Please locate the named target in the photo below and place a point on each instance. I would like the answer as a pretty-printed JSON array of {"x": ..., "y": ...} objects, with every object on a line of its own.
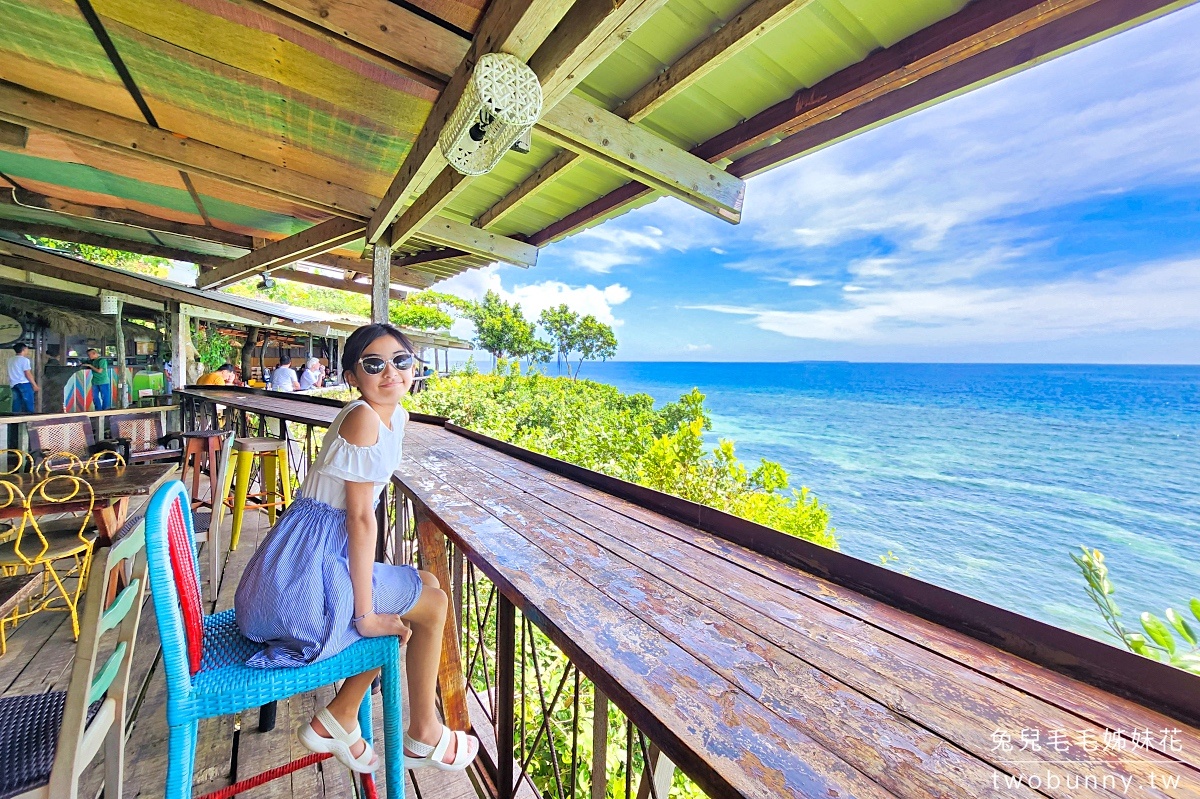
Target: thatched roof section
[{"x": 70, "y": 322}]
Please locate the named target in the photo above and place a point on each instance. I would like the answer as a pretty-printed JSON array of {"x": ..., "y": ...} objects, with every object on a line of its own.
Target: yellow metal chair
[
  {"x": 37, "y": 544},
  {"x": 274, "y": 456},
  {"x": 12, "y": 461}
]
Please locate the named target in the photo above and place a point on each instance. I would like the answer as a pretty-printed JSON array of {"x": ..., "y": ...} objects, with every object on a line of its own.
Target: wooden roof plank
[
  {"x": 529, "y": 187},
  {"x": 386, "y": 27},
  {"x": 97, "y": 128}
]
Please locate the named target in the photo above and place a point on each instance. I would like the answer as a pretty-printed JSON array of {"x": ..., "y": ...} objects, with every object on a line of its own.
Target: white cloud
[
  {"x": 1101, "y": 120},
  {"x": 537, "y": 297},
  {"x": 851, "y": 288},
  {"x": 1162, "y": 296},
  {"x": 698, "y": 347},
  {"x": 804, "y": 282},
  {"x": 717, "y": 250}
]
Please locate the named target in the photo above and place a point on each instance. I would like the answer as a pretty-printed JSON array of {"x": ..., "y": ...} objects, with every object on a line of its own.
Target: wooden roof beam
[
  {"x": 319, "y": 238},
  {"x": 108, "y": 242},
  {"x": 753, "y": 22},
  {"x": 325, "y": 281},
  {"x": 517, "y": 27},
  {"x": 588, "y": 33},
  {"x": 121, "y": 216},
  {"x": 589, "y": 130},
  {"x": 64, "y": 268},
  {"x": 976, "y": 44},
  {"x": 401, "y": 273}
]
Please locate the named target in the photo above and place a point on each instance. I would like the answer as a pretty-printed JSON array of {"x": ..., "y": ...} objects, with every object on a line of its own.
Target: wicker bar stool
[{"x": 274, "y": 456}]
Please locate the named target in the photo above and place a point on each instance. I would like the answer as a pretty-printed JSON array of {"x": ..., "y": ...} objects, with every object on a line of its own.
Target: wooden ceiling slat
[{"x": 391, "y": 29}]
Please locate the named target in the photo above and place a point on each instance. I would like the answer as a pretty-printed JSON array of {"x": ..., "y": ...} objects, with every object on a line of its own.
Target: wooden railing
[{"x": 759, "y": 664}]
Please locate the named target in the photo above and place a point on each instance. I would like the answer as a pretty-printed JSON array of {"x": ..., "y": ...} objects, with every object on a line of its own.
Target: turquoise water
[{"x": 980, "y": 478}]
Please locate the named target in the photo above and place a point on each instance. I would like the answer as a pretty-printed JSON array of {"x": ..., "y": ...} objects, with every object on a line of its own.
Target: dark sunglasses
[{"x": 374, "y": 364}]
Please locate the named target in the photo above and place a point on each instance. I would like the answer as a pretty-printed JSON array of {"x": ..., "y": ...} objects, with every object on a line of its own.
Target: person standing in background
[
  {"x": 311, "y": 376},
  {"x": 101, "y": 388},
  {"x": 283, "y": 377},
  {"x": 20, "y": 377}
]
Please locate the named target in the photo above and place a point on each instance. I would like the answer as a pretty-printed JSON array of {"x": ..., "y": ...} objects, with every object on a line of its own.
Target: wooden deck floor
[{"x": 39, "y": 659}]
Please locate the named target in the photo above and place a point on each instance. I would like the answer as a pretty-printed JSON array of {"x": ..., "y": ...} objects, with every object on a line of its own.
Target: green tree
[
  {"x": 561, "y": 324},
  {"x": 592, "y": 340},
  {"x": 502, "y": 329},
  {"x": 213, "y": 346},
  {"x": 422, "y": 317}
]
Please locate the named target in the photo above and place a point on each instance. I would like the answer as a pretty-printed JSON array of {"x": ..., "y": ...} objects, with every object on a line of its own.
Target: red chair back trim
[{"x": 187, "y": 583}]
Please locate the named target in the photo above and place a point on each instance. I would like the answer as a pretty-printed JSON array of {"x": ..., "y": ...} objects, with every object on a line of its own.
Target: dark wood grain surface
[
  {"x": 17, "y": 588},
  {"x": 763, "y": 680}
]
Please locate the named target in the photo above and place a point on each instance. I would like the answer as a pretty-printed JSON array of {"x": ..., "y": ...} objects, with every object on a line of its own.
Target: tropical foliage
[
  {"x": 586, "y": 337},
  {"x": 598, "y": 427},
  {"x": 1174, "y": 641},
  {"x": 213, "y": 347}
]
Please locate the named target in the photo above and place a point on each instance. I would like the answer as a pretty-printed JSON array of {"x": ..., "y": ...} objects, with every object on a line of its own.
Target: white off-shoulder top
[{"x": 340, "y": 461}]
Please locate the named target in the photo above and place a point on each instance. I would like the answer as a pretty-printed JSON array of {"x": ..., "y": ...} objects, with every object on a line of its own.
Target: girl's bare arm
[{"x": 361, "y": 428}]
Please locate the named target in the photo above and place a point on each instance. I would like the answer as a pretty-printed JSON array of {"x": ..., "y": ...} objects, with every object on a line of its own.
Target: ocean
[{"x": 980, "y": 478}]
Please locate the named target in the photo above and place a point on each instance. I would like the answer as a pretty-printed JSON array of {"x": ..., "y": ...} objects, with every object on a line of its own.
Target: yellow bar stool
[{"x": 274, "y": 455}]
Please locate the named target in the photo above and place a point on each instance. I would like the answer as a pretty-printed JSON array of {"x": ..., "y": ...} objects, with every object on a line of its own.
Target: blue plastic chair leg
[
  {"x": 364, "y": 719},
  {"x": 181, "y": 753},
  {"x": 393, "y": 725}
]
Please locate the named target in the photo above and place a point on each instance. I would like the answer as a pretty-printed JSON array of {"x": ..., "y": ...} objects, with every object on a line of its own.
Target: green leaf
[
  {"x": 1196, "y": 608},
  {"x": 1158, "y": 632},
  {"x": 1181, "y": 624}
]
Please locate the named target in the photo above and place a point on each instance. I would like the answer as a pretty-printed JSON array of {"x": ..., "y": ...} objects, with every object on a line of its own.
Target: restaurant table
[{"x": 113, "y": 487}]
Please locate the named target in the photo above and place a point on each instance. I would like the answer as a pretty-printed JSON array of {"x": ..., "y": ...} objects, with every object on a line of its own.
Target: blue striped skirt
[{"x": 295, "y": 596}]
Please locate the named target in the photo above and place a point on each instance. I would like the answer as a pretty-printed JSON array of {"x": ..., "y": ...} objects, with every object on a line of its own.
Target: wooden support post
[
  {"x": 118, "y": 388},
  {"x": 599, "y": 744},
  {"x": 451, "y": 680},
  {"x": 179, "y": 344},
  {"x": 506, "y": 687},
  {"x": 381, "y": 282}
]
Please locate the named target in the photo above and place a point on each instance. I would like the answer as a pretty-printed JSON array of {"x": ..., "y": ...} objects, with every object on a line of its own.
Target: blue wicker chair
[{"x": 204, "y": 656}]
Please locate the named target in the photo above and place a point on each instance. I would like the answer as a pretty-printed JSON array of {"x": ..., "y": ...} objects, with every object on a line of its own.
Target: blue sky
[{"x": 1053, "y": 216}]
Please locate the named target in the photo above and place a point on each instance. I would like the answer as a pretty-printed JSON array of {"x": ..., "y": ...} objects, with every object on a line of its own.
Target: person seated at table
[
  {"x": 101, "y": 385},
  {"x": 311, "y": 376},
  {"x": 283, "y": 376},
  {"x": 313, "y": 587},
  {"x": 221, "y": 376}
]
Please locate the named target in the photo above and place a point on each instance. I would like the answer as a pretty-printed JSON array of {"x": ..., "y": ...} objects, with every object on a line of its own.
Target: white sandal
[
  {"x": 427, "y": 755},
  {"x": 338, "y": 745}
]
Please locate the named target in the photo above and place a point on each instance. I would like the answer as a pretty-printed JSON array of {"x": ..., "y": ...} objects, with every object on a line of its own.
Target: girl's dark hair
[{"x": 363, "y": 337}]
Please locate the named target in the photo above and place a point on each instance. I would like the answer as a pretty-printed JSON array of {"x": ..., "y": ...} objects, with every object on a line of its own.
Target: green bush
[
  {"x": 1159, "y": 641},
  {"x": 598, "y": 427}
]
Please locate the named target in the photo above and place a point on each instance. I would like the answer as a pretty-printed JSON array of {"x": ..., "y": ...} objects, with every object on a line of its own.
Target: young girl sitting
[{"x": 313, "y": 587}]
